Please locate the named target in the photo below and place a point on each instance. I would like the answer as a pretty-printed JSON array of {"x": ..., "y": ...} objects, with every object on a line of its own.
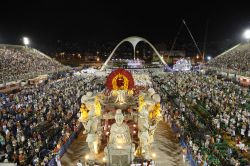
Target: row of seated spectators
[
  {"x": 36, "y": 122},
  {"x": 237, "y": 59},
  {"x": 18, "y": 63},
  {"x": 211, "y": 115}
]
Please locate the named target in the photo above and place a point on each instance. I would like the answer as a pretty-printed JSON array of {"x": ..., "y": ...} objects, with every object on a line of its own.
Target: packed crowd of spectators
[
  {"x": 237, "y": 59},
  {"x": 18, "y": 63},
  {"x": 37, "y": 121},
  {"x": 210, "y": 115}
]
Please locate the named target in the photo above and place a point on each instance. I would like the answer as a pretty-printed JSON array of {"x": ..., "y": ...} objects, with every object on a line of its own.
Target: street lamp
[
  {"x": 247, "y": 34},
  {"x": 26, "y": 41}
]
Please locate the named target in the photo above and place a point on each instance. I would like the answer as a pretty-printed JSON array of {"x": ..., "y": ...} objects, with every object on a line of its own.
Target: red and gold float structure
[{"x": 121, "y": 122}]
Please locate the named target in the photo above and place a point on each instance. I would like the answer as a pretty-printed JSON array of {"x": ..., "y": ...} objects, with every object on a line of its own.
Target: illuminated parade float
[{"x": 120, "y": 121}]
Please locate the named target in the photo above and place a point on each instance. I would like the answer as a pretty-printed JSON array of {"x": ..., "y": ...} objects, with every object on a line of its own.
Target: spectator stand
[{"x": 197, "y": 119}]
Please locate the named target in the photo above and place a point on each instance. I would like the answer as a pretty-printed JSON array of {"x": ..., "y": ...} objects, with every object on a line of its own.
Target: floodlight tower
[
  {"x": 247, "y": 35},
  {"x": 209, "y": 58},
  {"x": 26, "y": 41}
]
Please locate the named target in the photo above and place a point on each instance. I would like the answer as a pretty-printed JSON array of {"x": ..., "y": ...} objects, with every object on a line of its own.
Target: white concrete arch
[{"x": 134, "y": 40}]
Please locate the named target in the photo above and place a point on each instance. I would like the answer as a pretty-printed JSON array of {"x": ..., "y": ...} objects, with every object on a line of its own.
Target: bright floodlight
[
  {"x": 247, "y": 34},
  {"x": 26, "y": 41},
  {"x": 209, "y": 58}
]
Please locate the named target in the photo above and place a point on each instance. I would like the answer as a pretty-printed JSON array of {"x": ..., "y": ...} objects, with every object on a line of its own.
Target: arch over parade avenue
[{"x": 134, "y": 40}]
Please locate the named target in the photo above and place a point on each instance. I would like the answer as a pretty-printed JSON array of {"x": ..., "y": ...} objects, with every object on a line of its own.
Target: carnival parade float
[{"x": 120, "y": 121}]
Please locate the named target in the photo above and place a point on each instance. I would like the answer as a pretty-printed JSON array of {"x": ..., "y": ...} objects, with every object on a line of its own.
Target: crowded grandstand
[
  {"x": 124, "y": 83},
  {"x": 236, "y": 59},
  {"x": 21, "y": 63},
  {"x": 37, "y": 121}
]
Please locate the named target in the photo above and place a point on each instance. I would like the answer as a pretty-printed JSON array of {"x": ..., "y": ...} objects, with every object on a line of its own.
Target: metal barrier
[
  {"x": 189, "y": 154},
  {"x": 65, "y": 146},
  {"x": 184, "y": 145}
]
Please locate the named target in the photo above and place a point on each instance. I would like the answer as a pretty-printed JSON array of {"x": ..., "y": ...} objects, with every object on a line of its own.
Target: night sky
[{"x": 46, "y": 22}]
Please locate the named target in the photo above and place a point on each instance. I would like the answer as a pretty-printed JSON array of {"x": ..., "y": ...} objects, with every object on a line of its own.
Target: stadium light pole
[
  {"x": 247, "y": 34},
  {"x": 208, "y": 58},
  {"x": 26, "y": 41}
]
